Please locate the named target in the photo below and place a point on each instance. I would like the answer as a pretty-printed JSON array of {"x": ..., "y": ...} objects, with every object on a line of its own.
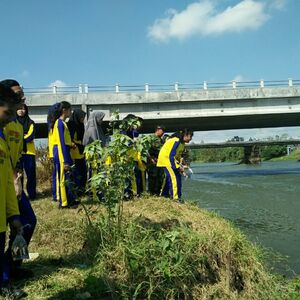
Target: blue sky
[{"x": 134, "y": 42}]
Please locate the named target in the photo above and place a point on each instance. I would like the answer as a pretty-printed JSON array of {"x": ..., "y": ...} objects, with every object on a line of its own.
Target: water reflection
[{"x": 263, "y": 201}]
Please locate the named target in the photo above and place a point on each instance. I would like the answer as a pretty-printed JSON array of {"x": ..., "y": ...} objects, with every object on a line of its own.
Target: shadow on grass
[{"x": 93, "y": 288}]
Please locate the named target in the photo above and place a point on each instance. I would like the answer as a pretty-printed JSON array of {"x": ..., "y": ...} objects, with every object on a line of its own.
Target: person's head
[
  {"x": 15, "y": 87},
  {"x": 160, "y": 130},
  {"x": 185, "y": 135},
  {"x": 65, "y": 110},
  {"x": 8, "y": 104},
  {"x": 78, "y": 115},
  {"x": 22, "y": 111}
]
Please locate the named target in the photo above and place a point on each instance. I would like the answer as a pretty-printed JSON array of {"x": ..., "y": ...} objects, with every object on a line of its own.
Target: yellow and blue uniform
[
  {"x": 28, "y": 161},
  {"x": 13, "y": 133},
  {"x": 50, "y": 155},
  {"x": 61, "y": 156},
  {"x": 169, "y": 158},
  {"x": 77, "y": 155},
  {"x": 8, "y": 199}
]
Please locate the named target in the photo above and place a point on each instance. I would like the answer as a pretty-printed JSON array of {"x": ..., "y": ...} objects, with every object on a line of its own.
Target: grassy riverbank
[
  {"x": 295, "y": 155},
  {"x": 164, "y": 250}
]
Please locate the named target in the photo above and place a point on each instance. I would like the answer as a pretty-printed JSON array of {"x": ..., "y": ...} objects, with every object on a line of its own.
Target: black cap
[{"x": 163, "y": 128}]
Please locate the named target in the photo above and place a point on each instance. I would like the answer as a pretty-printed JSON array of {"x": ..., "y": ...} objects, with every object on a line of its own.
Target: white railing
[{"x": 176, "y": 87}]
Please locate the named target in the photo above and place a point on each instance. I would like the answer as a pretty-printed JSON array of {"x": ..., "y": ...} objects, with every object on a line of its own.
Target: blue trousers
[
  {"x": 80, "y": 174},
  {"x": 54, "y": 183},
  {"x": 173, "y": 183},
  {"x": 29, "y": 165},
  {"x": 2, "y": 245},
  {"x": 27, "y": 216}
]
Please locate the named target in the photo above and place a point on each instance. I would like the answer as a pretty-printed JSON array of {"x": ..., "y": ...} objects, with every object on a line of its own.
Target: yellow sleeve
[
  {"x": 12, "y": 208},
  {"x": 30, "y": 132}
]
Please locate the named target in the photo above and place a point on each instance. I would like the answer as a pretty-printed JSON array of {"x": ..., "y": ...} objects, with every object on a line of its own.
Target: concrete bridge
[{"x": 209, "y": 106}]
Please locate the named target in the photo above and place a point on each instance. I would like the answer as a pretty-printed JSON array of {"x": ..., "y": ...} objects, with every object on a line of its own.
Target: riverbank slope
[{"x": 163, "y": 250}]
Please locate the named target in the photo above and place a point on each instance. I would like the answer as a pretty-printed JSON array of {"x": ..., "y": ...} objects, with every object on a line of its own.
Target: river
[{"x": 262, "y": 200}]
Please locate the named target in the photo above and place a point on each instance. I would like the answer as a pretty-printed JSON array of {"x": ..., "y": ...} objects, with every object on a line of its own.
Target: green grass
[
  {"x": 295, "y": 155},
  {"x": 164, "y": 250}
]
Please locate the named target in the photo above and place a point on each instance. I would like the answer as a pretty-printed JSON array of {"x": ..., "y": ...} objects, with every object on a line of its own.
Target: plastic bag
[
  {"x": 19, "y": 248},
  {"x": 18, "y": 185}
]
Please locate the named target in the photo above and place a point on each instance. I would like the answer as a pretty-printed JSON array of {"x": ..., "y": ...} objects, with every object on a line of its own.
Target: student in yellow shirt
[
  {"x": 62, "y": 144},
  {"x": 13, "y": 133},
  {"x": 53, "y": 115},
  {"x": 76, "y": 128},
  {"x": 9, "y": 211},
  {"x": 28, "y": 154},
  {"x": 169, "y": 158}
]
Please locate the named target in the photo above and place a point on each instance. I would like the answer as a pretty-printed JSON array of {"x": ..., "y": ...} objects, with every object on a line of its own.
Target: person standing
[
  {"x": 9, "y": 211},
  {"x": 62, "y": 144},
  {"x": 155, "y": 174},
  {"x": 169, "y": 159},
  {"x": 76, "y": 128},
  {"x": 28, "y": 156},
  {"x": 13, "y": 133}
]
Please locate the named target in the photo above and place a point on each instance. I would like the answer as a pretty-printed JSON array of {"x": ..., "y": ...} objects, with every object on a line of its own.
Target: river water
[{"x": 262, "y": 200}]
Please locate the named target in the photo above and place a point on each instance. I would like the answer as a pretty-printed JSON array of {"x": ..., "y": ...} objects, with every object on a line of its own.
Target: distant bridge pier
[{"x": 252, "y": 155}]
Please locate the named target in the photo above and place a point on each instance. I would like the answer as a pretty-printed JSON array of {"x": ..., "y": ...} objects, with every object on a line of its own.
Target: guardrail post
[
  {"x": 233, "y": 84},
  {"x": 176, "y": 87},
  {"x": 262, "y": 83},
  {"x": 80, "y": 90},
  {"x": 54, "y": 89},
  {"x": 146, "y": 87},
  {"x": 205, "y": 85},
  {"x": 117, "y": 88},
  {"x": 86, "y": 89},
  {"x": 290, "y": 82}
]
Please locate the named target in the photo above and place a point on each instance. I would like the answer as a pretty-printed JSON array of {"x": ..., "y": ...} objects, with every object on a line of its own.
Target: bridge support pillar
[{"x": 252, "y": 155}]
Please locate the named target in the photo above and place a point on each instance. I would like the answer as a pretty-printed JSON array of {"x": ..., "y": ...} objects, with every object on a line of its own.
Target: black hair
[
  {"x": 55, "y": 111},
  {"x": 181, "y": 133},
  {"x": 7, "y": 96},
  {"x": 163, "y": 128},
  {"x": 64, "y": 105},
  {"x": 10, "y": 83}
]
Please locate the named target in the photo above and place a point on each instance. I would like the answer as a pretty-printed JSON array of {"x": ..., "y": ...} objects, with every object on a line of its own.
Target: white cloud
[
  {"x": 202, "y": 18},
  {"x": 239, "y": 78},
  {"x": 58, "y": 83},
  {"x": 25, "y": 74}
]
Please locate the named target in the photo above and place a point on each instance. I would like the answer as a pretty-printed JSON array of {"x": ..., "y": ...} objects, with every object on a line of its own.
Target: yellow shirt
[
  {"x": 13, "y": 133},
  {"x": 50, "y": 143},
  {"x": 8, "y": 198},
  {"x": 75, "y": 153},
  {"x": 29, "y": 140},
  {"x": 170, "y": 153},
  {"x": 62, "y": 139}
]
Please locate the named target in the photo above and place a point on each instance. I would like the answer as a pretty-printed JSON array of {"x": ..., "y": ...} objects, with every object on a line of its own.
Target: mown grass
[{"x": 163, "y": 250}]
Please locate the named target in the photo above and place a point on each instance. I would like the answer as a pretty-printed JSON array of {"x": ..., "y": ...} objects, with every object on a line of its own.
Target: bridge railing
[{"x": 176, "y": 87}]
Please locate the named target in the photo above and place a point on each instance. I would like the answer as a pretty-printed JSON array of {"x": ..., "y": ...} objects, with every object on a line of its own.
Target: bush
[{"x": 44, "y": 166}]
